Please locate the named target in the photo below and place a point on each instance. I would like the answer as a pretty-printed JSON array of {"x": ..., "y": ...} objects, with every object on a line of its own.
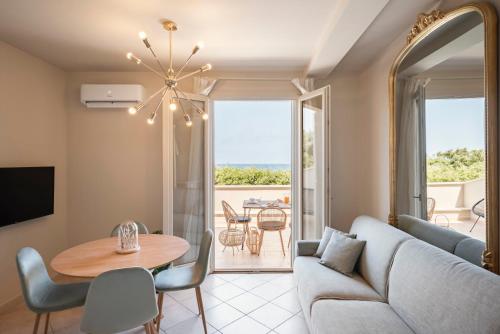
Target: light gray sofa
[
  {"x": 401, "y": 285},
  {"x": 451, "y": 241}
]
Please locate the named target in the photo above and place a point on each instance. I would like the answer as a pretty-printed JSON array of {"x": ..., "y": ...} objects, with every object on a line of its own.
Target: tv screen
[{"x": 25, "y": 193}]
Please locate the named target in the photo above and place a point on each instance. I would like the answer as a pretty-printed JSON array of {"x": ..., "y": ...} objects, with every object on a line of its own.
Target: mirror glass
[{"x": 441, "y": 130}]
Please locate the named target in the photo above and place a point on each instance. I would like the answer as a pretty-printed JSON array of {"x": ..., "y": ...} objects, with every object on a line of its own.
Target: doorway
[{"x": 252, "y": 145}]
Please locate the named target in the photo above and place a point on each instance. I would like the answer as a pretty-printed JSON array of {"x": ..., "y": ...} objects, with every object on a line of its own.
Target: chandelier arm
[
  {"x": 189, "y": 74},
  {"x": 179, "y": 72},
  {"x": 143, "y": 104},
  {"x": 150, "y": 48},
  {"x": 160, "y": 101},
  {"x": 178, "y": 99},
  {"x": 153, "y": 70},
  {"x": 198, "y": 109}
]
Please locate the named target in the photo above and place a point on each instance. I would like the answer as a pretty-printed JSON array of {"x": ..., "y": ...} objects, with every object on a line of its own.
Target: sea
[{"x": 258, "y": 166}]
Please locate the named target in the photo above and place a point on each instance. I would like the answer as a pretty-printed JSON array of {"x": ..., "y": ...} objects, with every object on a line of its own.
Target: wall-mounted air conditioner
[{"x": 111, "y": 96}]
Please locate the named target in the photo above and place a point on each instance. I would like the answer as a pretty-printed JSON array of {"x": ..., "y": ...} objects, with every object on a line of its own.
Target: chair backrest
[
  {"x": 431, "y": 205},
  {"x": 478, "y": 208},
  {"x": 203, "y": 256},
  {"x": 271, "y": 219},
  {"x": 33, "y": 276},
  {"x": 229, "y": 214},
  {"x": 141, "y": 228},
  {"x": 119, "y": 300}
]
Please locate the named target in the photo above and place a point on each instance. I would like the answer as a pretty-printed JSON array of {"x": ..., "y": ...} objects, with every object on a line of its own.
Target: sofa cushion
[
  {"x": 434, "y": 291},
  {"x": 325, "y": 239},
  {"x": 342, "y": 253},
  {"x": 355, "y": 317},
  {"x": 382, "y": 241},
  {"x": 315, "y": 282},
  {"x": 471, "y": 250},
  {"x": 435, "y": 235}
]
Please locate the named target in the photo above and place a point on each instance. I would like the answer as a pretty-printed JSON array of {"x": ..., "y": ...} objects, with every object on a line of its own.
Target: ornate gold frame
[{"x": 426, "y": 24}]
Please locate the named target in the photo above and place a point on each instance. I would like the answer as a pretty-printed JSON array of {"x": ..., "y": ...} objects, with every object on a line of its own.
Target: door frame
[
  {"x": 293, "y": 115},
  {"x": 324, "y": 92}
]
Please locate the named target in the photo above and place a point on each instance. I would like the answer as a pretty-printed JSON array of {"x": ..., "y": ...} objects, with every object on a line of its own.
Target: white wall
[
  {"x": 114, "y": 161},
  {"x": 32, "y": 133}
]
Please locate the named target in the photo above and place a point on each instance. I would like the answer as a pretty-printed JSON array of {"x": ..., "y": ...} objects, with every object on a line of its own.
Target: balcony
[{"x": 271, "y": 256}]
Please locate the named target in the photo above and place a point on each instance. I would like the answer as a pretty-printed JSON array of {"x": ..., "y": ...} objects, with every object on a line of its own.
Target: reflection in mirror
[
  {"x": 440, "y": 119},
  {"x": 312, "y": 168}
]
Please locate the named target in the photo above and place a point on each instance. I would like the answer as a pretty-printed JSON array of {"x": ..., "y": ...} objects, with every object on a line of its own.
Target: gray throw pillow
[
  {"x": 327, "y": 234},
  {"x": 342, "y": 253}
]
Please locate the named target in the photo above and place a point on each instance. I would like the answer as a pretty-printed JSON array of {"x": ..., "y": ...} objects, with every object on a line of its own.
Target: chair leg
[
  {"x": 146, "y": 328},
  {"x": 152, "y": 329},
  {"x": 37, "y": 321},
  {"x": 160, "y": 311},
  {"x": 290, "y": 239},
  {"x": 282, "y": 246},
  {"x": 261, "y": 238},
  {"x": 474, "y": 223},
  {"x": 47, "y": 319},
  {"x": 200, "y": 307}
]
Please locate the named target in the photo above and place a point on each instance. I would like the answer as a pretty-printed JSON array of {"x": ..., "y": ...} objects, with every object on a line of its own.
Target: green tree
[
  {"x": 251, "y": 176},
  {"x": 456, "y": 165}
]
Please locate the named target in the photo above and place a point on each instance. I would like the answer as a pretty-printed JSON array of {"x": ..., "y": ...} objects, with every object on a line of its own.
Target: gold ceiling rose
[
  {"x": 170, "y": 78},
  {"x": 423, "y": 21}
]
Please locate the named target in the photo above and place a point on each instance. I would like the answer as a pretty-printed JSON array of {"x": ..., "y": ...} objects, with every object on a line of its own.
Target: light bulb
[
  {"x": 130, "y": 55},
  {"x": 206, "y": 67},
  {"x": 204, "y": 116},
  {"x": 132, "y": 110},
  {"x": 151, "y": 119},
  {"x": 188, "y": 120},
  {"x": 200, "y": 45},
  {"x": 142, "y": 35},
  {"x": 172, "y": 106}
]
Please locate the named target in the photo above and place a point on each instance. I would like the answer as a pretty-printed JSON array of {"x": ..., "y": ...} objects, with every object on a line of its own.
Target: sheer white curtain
[
  {"x": 194, "y": 215},
  {"x": 411, "y": 147}
]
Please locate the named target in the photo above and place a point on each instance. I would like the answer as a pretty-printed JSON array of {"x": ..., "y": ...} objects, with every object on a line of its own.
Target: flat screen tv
[{"x": 25, "y": 193}]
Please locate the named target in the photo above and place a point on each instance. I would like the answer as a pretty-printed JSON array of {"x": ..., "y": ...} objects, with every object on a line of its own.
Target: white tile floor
[{"x": 234, "y": 303}]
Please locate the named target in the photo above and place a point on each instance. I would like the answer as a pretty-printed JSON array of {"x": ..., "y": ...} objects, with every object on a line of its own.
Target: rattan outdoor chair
[{"x": 271, "y": 219}]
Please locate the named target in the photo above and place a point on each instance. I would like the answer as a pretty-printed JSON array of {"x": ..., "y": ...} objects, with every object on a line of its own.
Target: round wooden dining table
[{"x": 92, "y": 258}]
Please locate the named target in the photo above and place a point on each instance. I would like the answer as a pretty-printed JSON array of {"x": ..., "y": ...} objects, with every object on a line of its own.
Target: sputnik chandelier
[{"x": 170, "y": 78}]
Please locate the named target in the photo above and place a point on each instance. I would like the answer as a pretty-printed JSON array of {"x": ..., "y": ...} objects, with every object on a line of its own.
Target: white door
[
  {"x": 187, "y": 175},
  {"x": 311, "y": 161}
]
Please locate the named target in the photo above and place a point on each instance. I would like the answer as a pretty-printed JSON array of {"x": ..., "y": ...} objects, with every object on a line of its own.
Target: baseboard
[{"x": 10, "y": 304}]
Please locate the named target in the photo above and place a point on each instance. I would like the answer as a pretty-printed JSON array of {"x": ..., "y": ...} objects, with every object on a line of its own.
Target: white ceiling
[{"x": 257, "y": 35}]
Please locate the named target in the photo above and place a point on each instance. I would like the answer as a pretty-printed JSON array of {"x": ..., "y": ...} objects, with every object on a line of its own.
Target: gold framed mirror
[{"x": 444, "y": 125}]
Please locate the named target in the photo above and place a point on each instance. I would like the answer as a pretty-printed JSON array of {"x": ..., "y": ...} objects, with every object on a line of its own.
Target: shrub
[
  {"x": 456, "y": 165},
  {"x": 251, "y": 176}
]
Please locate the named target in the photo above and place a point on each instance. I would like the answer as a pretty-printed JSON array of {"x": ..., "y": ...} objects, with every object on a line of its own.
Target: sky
[
  {"x": 454, "y": 123},
  {"x": 252, "y": 132}
]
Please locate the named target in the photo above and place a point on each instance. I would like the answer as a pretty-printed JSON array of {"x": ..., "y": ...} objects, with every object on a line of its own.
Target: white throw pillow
[
  {"x": 342, "y": 253},
  {"x": 327, "y": 234}
]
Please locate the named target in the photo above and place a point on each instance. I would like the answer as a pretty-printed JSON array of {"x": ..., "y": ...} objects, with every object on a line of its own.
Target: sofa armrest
[{"x": 306, "y": 247}]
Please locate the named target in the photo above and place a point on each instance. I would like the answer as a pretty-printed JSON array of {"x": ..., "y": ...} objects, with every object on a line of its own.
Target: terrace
[{"x": 271, "y": 256}]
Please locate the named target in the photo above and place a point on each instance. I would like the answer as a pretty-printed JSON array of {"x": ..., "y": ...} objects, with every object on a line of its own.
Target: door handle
[{"x": 419, "y": 197}]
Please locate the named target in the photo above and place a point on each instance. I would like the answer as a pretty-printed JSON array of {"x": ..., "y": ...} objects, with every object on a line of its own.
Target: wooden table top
[
  {"x": 95, "y": 257},
  {"x": 264, "y": 204}
]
